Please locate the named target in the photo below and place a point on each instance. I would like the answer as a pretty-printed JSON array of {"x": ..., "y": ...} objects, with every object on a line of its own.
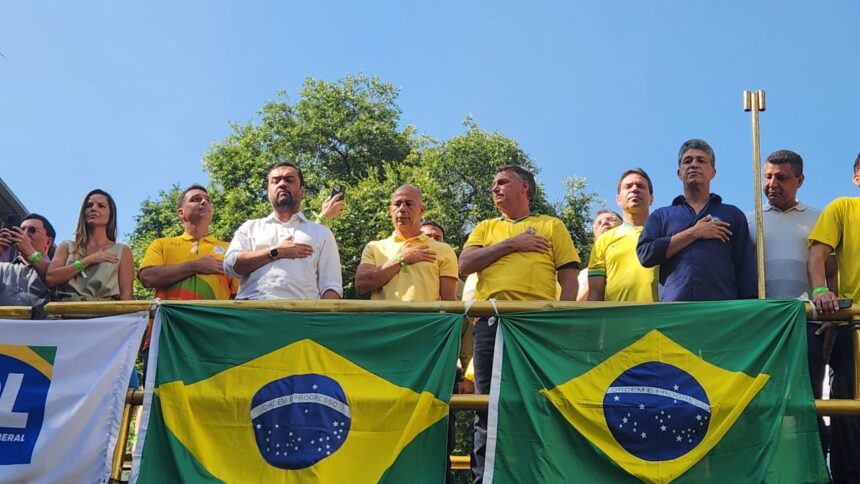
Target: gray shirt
[
  {"x": 20, "y": 286},
  {"x": 786, "y": 249}
]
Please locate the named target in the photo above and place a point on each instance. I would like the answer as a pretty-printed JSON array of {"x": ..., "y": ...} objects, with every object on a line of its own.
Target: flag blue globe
[
  {"x": 300, "y": 420},
  {"x": 657, "y": 411}
]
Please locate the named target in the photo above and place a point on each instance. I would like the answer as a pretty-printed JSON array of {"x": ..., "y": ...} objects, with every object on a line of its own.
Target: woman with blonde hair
[{"x": 93, "y": 267}]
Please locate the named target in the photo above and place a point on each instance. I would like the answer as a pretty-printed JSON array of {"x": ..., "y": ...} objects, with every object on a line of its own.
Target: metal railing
[{"x": 459, "y": 402}]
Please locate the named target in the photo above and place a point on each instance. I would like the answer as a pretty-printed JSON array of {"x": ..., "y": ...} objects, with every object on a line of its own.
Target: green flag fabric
[
  {"x": 688, "y": 392},
  {"x": 243, "y": 395}
]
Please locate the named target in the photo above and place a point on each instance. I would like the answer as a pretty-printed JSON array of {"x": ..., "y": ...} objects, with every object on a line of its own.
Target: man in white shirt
[{"x": 285, "y": 255}]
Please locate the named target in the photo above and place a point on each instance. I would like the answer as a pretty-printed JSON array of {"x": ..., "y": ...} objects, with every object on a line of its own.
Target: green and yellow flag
[
  {"x": 693, "y": 392},
  {"x": 265, "y": 396}
]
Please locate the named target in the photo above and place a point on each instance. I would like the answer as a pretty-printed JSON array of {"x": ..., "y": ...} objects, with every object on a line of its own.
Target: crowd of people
[{"x": 696, "y": 249}]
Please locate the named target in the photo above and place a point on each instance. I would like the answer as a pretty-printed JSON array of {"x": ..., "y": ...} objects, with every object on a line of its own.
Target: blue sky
[{"x": 129, "y": 96}]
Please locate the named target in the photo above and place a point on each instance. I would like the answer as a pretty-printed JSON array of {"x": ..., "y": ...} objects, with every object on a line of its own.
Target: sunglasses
[{"x": 33, "y": 230}]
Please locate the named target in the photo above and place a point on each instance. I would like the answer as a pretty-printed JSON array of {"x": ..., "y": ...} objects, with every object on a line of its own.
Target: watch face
[{"x": 273, "y": 253}]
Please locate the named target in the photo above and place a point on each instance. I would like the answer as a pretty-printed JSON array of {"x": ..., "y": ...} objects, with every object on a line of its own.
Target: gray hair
[{"x": 697, "y": 144}]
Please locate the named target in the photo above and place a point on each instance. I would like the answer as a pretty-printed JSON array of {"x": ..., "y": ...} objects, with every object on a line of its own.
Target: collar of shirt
[
  {"x": 681, "y": 199},
  {"x": 422, "y": 237},
  {"x": 800, "y": 207},
  {"x": 518, "y": 220},
  {"x": 187, "y": 236},
  {"x": 298, "y": 217}
]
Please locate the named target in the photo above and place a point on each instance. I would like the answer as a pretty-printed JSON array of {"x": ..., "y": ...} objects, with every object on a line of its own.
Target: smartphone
[
  {"x": 12, "y": 220},
  {"x": 845, "y": 303},
  {"x": 338, "y": 191}
]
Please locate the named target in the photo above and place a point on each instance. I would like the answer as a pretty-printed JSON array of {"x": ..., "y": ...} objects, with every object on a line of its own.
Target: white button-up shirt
[{"x": 307, "y": 278}]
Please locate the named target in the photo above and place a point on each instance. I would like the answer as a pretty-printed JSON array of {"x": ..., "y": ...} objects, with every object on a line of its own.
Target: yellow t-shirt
[
  {"x": 839, "y": 227},
  {"x": 421, "y": 283},
  {"x": 614, "y": 257},
  {"x": 182, "y": 249},
  {"x": 523, "y": 276}
]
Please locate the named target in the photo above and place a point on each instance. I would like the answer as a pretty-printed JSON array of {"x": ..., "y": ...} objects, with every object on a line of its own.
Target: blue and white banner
[{"x": 62, "y": 388}]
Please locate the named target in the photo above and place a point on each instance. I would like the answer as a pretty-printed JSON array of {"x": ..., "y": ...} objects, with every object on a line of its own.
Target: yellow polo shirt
[
  {"x": 614, "y": 257},
  {"x": 839, "y": 227},
  {"x": 421, "y": 283},
  {"x": 523, "y": 276},
  {"x": 182, "y": 249}
]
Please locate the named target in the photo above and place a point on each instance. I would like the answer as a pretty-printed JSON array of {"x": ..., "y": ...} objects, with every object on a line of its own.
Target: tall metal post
[{"x": 755, "y": 102}]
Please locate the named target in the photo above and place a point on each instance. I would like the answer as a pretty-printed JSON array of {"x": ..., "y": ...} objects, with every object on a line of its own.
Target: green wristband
[
  {"x": 819, "y": 290},
  {"x": 80, "y": 267},
  {"x": 403, "y": 265},
  {"x": 34, "y": 258}
]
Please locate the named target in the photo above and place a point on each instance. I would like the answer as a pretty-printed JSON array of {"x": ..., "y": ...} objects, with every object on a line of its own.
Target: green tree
[
  {"x": 462, "y": 169},
  {"x": 157, "y": 218},
  {"x": 575, "y": 211},
  {"x": 347, "y": 132},
  {"x": 338, "y": 132}
]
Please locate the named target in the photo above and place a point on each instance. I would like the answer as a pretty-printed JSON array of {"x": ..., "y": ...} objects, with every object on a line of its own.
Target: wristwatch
[{"x": 273, "y": 253}]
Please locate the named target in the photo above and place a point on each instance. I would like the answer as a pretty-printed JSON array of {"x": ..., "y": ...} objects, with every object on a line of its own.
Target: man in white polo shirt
[{"x": 285, "y": 255}]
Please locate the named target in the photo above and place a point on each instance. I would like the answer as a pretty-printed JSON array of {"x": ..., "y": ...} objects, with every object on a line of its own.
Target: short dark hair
[
  {"x": 636, "y": 171},
  {"x": 525, "y": 175},
  {"x": 857, "y": 164},
  {"x": 195, "y": 186},
  {"x": 697, "y": 144},
  {"x": 789, "y": 157},
  {"x": 282, "y": 164},
  {"x": 49, "y": 229},
  {"x": 433, "y": 223}
]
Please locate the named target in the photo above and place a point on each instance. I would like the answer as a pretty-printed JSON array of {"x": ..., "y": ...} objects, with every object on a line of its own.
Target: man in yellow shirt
[
  {"x": 603, "y": 221},
  {"x": 614, "y": 271},
  {"x": 518, "y": 256},
  {"x": 837, "y": 231},
  {"x": 189, "y": 266},
  {"x": 409, "y": 265}
]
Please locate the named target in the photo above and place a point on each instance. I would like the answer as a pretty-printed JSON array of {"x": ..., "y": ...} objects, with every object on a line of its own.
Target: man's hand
[
  {"x": 208, "y": 265},
  {"x": 411, "y": 254},
  {"x": 825, "y": 302},
  {"x": 5, "y": 241},
  {"x": 287, "y": 249},
  {"x": 333, "y": 206},
  {"x": 17, "y": 236},
  {"x": 99, "y": 257},
  {"x": 528, "y": 241},
  {"x": 712, "y": 228}
]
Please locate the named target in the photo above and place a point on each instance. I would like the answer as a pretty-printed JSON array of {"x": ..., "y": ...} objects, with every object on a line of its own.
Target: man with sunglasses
[{"x": 22, "y": 279}]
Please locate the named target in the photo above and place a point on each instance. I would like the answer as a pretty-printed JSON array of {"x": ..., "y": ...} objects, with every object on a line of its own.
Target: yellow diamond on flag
[
  {"x": 654, "y": 407},
  {"x": 301, "y": 413}
]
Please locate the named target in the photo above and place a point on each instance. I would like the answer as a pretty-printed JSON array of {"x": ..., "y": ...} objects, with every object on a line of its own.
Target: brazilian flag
[
  {"x": 688, "y": 392},
  {"x": 244, "y": 395}
]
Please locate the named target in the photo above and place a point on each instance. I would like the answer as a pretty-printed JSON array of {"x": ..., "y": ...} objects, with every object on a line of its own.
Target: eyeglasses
[
  {"x": 33, "y": 230},
  {"x": 611, "y": 218}
]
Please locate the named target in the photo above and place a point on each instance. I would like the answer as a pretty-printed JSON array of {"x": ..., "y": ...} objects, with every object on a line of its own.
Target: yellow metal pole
[
  {"x": 755, "y": 102},
  {"x": 16, "y": 312},
  {"x": 478, "y": 309},
  {"x": 837, "y": 407},
  {"x": 121, "y": 440},
  {"x": 855, "y": 332}
]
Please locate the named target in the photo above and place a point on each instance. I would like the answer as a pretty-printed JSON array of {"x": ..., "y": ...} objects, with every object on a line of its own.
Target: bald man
[{"x": 409, "y": 265}]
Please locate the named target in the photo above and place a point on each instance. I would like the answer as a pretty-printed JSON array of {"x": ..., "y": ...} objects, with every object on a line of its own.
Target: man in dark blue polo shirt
[{"x": 701, "y": 244}]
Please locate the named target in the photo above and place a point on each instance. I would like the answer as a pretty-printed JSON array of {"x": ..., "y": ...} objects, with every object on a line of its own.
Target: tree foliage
[
  {"x": 348, "y": 132},
  {"x": 463, "y": 168},
  {"x": 575, "y": 211}
]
